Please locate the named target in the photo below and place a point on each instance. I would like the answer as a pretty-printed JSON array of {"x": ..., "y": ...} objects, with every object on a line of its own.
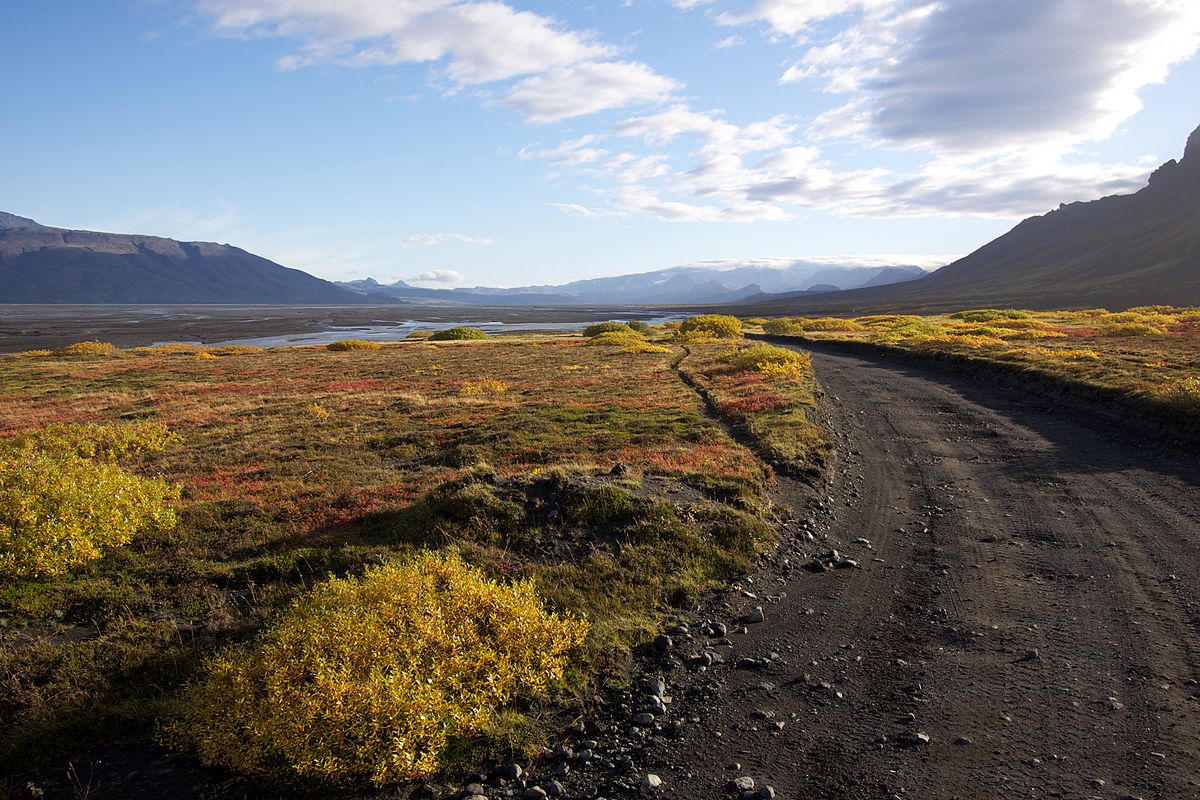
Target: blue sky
[{"x": 480, "y": 142}]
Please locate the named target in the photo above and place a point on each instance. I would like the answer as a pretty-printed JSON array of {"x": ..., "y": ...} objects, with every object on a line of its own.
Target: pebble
[
  {"x": 535, "y": 793},
  {"x": 767, "y": 793},
  {"x": 651, "y": 781},
  {"x": 753, "y": 616},
  {"x": 510, "y": 772},
  {"x": 663, "y": 643},
  {"x": 742, "y": 784}
]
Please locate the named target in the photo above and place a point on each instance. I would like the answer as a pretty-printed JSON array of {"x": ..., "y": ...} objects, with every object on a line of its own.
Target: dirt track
[{"x": 1031, "y": 597}]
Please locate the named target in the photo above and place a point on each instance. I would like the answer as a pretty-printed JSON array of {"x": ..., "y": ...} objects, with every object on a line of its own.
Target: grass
[
  {"x": 1147, "y": 354},
  {"x": 301, "y": 464}
]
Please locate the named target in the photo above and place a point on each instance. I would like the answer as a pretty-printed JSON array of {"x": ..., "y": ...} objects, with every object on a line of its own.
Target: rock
[
  {"x": 663, "y": 643},
  {"x": 656, "y": 687},
  {"x": 555, "y": 789},
  {"x": 654, "y": 705},
  {"x": 917, "y": 739},
  {"x": 535, "y": 793},
  {"x": 962, "y": 741},
  {"x": 753, "y": 616},
  {"x": 846, "y": 563},
  {"x": 644, "y": 720},
  {"x": 474, "y": 789},
  {"x": 475, "y": 797},
  {"x": 717, "y": 629},
  {"x": 1030, "y": 655},
  {"x": 510, "y": 772},
  {"x": 741, "y": 784},
  {"x": 651, "y": 781},
  {"x": 618, "y": 469},
  {"x": 766, "y": 793}
]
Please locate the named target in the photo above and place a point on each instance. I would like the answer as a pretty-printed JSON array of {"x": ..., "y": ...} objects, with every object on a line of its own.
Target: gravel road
[{"x": 1023, "y": 623}]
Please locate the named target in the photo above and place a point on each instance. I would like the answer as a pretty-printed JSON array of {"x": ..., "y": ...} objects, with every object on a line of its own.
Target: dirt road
[{"x": 1029, "y": 602}]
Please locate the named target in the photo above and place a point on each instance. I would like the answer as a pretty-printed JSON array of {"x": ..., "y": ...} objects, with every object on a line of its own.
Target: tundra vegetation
[
  {"x": 1149, "y": 353},
  {"x": 528, "y": 509}
]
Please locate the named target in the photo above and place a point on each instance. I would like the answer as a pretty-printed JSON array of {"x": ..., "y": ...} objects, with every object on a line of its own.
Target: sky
[{"x": 516, "y": 142}]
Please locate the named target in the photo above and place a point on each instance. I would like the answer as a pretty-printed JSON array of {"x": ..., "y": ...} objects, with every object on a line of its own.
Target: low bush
[
  {"x": 644, "y": 347},
  {"x": 235, "y": 350},
  {"x": 711, "y": 326},
  {"x": 352, "y": 344},
  {"x": 640, "y": 327},
  {"x": 831, "y": 324},
  {"x": 482, "y": 386},
  {"x": 63, "y": 497},
  {"x": 1129, "y": 329},
  {"x": 769, "y": 360},
  {"x": 1183, "y": 395},
  {"x": 783, "y": 326},
  {"x": 458, "y": 334},
  {"x": 92, "y": 349},
  {"x": 990, "y": 314},
  {"x": 373, "y": 678},
  {"x": 594, "y": 330},
  {"x": 624, "y": 337}
]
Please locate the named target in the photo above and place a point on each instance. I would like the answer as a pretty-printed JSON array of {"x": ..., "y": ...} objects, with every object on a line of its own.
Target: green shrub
[
  {"x": 783, "y": 326},
  {"x": 624, "y": 337},
  {"x": 63, "y": 499},
  {"x": 457, "y": 334},
  {"x": 594, "y": 330},
  {"x": 711, "y": 326},
  {"x": 638, "y": 326},
  {"x": 373, "y": 678},
  {"x": 352, "y": 344},
  {"x": 1129, "y": 329}
]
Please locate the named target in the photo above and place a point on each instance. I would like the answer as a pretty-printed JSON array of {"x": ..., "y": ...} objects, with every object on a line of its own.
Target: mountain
[
  {"x": 39, "y": 264},
  {"x": 692, "y": 284},
  {"x": 1116, "y": 252}
]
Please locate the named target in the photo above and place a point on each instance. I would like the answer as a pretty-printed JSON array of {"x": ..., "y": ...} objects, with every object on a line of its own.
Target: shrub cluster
[
  {"x": 769, "y": 360},
  {"x": 63, "y": 497},
  {"x": 92, "y": 349},
  {"x": 483, "y": 386},
  {"x": 372, "y": 678},
  {"x": 457, "y": 334},
  {"x": 710, "y": 326},
  {"x": 352, "y": 344},
  {"x": 612, "y": 326}
]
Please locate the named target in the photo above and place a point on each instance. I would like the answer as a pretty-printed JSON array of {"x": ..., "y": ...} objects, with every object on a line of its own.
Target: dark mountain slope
[
  {"x": 1118, "y": 251},
  {"x": 52, "y": 265}
]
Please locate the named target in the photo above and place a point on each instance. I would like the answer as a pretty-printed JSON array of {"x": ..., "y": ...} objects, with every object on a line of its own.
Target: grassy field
[
  {"x": 1149, "y": 354},
  {"x": 605, "y": 472}
]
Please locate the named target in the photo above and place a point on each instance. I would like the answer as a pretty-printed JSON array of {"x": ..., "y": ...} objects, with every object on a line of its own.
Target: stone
[
  {"x": 663, "y": 643},
  {"x": 510, "y": 772},
  {"x": 474, "y": 788},
  {"x": 766, "y": 793},
  {"x": 535, "y": 793},
  {"x": 651, "y": 781},
  {"x": 753, "y": 616},
  {"x": 718, "y": 629},
  {"x": 918, "y": 739},
  {"x": 741, "y": 784},
  {"x": 644, "y": 720},
  {"x": 555, "y": 789},
  {"x": 656, "y": 687}
]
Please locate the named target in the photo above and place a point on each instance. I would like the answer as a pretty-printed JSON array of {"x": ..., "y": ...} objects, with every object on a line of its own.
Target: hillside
[
  {"x": 1119, "y": 251},
  {"x": 39, "y": 264}
]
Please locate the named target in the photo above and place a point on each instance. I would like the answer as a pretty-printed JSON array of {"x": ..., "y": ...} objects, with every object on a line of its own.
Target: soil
[
  {"x": 1023, "y": 622},
  {"x": 1022, "y": 619}
]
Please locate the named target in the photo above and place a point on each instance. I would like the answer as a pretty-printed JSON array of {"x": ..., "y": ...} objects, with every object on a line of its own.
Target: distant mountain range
[
  {"x": 693, "y": 284},
  {"x": 39, "y": 264},
  {"x": 1116, "y": 252}
]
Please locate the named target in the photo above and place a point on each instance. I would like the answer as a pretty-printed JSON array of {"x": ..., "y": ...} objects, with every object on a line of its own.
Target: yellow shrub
[
  {"x": 63, "y": 499},
  {"x": 176, "y": 348},
  {"x": 92, "y": 349},
  {"x": 710, "y": 326},
  {"x": 831, "y": 324},
  {"x": 773, "y": 361},
  {"x": 371, "y": 678},
  {"x": 625, "y": 338},
  {"x": 970, "y": 342},
  {"x": 644, "y": 347},
  {"x": 1035, "y": 333},
  {"x": 235, "y": 350},
  {"x": 33, "y": 354},
  {"x": 784, "y": 326},
  {"x": 1184, "y": 394},
  {"x": 483, "y": 386},
  {"x": 1129, "y": 329},
  {"x": 204, "y": 356},
  {"x": 352, "y": 344},
  {"x": 317, "y": 411}
]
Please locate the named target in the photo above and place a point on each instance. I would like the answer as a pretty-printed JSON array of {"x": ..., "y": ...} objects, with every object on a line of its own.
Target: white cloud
[
  {"x": 437, "y": 277},
  {"x": 729, "y": 41},
  {"x": 978, "y": 76},
  {"x": 435, "y": 239},
  {"x": 481, "y": 41},
  {"x": 587, "y": 88}
]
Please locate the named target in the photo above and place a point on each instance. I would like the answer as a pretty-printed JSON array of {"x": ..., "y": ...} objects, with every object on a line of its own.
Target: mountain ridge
[{"x": 1117, "y": 251}]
